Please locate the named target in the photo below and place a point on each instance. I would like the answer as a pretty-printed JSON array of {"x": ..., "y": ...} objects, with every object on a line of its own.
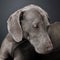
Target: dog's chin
[{"x": 41, "y": 51}]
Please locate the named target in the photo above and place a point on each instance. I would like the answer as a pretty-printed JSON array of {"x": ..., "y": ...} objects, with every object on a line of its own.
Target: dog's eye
[{"x": 36, "y": 26}]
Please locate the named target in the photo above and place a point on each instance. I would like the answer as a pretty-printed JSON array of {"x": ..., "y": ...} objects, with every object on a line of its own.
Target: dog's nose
[{"x": 49, "y": 47}]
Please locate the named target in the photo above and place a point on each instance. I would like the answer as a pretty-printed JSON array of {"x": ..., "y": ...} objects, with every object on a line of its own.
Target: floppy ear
[{"x": 14, "y": 27}]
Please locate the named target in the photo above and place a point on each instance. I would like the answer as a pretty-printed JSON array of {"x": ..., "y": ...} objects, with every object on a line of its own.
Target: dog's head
[{"x": 31, "y": 23}]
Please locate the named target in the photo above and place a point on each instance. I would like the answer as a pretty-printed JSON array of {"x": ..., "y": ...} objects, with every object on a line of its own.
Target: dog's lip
[{"x": 46, "y": 50}]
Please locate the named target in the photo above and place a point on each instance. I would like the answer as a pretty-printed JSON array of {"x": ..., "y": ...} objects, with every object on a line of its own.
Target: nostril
[
  {"x": 49, "y": 47},
  {"x": 50, "y": 44}
]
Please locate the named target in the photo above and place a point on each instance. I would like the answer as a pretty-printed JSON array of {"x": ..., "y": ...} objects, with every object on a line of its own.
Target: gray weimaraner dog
[
  {"x": 29, "y": 54},
  {"x": 30, "y": 23},
  {"x": 54, "y": 33}
]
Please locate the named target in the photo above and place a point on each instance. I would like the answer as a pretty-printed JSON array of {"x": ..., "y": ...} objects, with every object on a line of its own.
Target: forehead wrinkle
[{"x": 32, "y": 14}]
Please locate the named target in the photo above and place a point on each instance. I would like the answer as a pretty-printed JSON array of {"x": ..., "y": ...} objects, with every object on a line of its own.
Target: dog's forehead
[
  {"x": 32, "y": 11},
  {"x": 32, "y": 14}
]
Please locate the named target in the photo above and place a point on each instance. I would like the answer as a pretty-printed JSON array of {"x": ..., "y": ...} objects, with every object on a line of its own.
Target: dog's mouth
[{"x": 42, "y": 45}]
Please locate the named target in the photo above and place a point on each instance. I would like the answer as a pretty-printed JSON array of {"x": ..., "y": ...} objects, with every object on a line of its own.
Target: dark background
[{"x": 7, "y": 7}]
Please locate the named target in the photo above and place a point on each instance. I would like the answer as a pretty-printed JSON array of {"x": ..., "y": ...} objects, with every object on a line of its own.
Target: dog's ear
[{"x": 14, "y": 27}]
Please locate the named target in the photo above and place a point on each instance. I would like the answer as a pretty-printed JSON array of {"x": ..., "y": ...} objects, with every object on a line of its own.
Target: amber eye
[{"x": 36, "y": 26}]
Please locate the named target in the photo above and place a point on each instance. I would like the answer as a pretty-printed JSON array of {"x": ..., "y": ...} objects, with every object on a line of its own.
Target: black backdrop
[{"x": 7, "y": 7}]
